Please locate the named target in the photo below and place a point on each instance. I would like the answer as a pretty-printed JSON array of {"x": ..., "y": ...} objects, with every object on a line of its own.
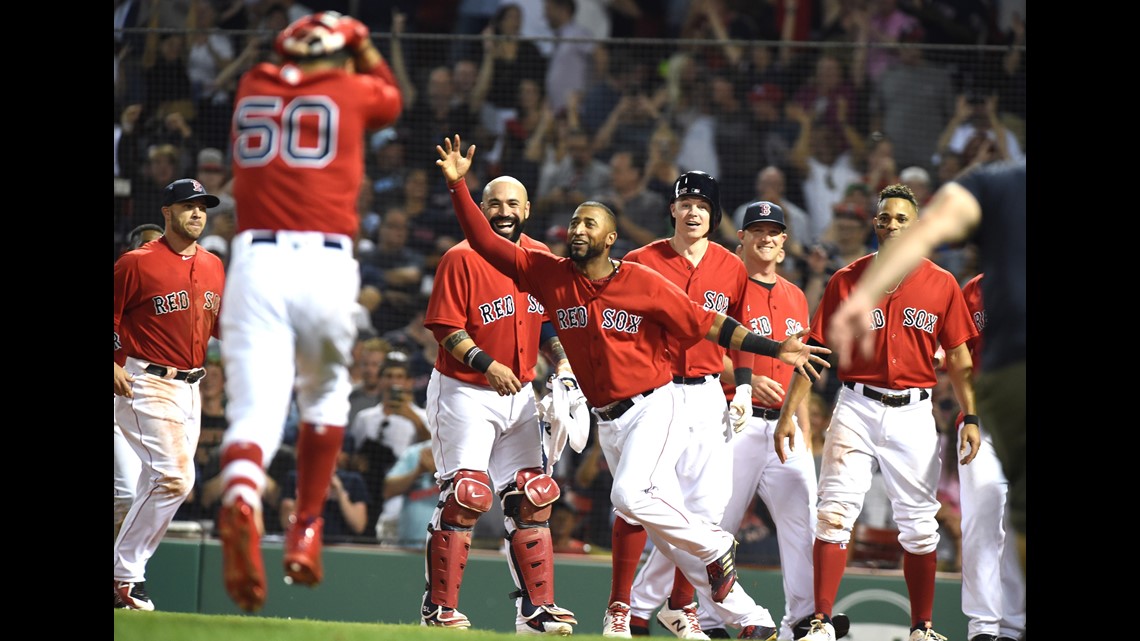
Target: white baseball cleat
[
  {"x": 546, "y": 619},
  {"x": 615, "y": 622},
  {"x": 925, "y": 635},
  {"x": 820, "y": 631},
  {"x": 683, "y": 623}
]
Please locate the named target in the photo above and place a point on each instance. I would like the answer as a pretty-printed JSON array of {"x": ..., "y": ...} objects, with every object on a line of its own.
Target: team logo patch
[
  {"x": 197, "y": 186},
  {"x": 765, "y": 209}
]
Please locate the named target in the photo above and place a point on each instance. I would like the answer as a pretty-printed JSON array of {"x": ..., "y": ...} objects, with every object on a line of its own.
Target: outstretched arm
[
  {"x": 497, "y": 250},
  {"x": 949, "y": 217},
  {"x": 727, "y": 332}
]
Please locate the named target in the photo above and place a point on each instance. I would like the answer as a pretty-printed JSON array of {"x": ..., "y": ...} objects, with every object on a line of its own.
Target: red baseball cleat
[
  {"x": 722, "y": 574},
  {"x": 242, "y": 567},
  {"x": 303, "y": 551}
]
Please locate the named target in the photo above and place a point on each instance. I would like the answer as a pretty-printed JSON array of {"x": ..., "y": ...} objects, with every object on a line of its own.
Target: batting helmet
[
  {"x": 698, "y": 183},
  {"x": 312, "y": 36}
]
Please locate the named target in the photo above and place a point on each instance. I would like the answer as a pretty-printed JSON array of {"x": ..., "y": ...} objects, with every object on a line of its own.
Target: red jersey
[
  {"x": 926, "y": 309},
  {"x": 470, "y": 294},
  {"x": 972, "y": 293},
  {"x": 717, "y": 284},
  {"x": 298, "y": 145},
  {"x": 166, "y": 305},
  {"x": 775, "y": 313},
  {"x": 613, "y": 330}
]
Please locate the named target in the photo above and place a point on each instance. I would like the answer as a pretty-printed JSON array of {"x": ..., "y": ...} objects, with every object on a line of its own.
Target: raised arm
[{"x": 497, "y": 250}]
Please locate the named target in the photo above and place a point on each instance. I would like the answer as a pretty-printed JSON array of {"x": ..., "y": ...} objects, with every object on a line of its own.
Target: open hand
[{"x": 452, "y": 162}]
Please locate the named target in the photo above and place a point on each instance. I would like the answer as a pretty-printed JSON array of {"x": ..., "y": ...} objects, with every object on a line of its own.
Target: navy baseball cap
[
  {"x": 763, "y": 212},
  {"x": 187, "y": 189}
]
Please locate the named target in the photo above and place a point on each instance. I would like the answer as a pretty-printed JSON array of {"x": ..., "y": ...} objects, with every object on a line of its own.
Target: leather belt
[
  {"x": 890, "y": 400},
  {"x": 190, "y": 376},
  {"x": 331, "y": 243},
  {"x": 694, "y": 380},
  {"x": 615, "y": 411},
  {"x": 766, "y": 413}
]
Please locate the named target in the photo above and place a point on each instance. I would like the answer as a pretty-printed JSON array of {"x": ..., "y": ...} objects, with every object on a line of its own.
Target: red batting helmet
[
  {"x": 312, "y": 36},
  {"x": 698, "y": 183}
]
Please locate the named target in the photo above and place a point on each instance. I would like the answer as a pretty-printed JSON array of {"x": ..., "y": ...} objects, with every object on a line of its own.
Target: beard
[
  {"x": 581, "y": 256},
  {"x": 514, "y": 234}
]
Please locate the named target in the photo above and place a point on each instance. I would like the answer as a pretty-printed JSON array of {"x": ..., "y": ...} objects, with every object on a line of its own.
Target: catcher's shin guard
[
  {"x": 446, "y": 556},
  {"x": 532, "y": 558}
]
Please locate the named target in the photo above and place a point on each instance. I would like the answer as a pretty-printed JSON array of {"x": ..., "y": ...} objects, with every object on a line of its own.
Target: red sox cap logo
[
  {"x": 765, "y": 209},
  {"x": 197, "y": 186}
]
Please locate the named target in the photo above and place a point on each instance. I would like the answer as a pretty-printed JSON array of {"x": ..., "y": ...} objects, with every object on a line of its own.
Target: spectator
[
  {"x": 661, "y": 168},
  {"x": 514, "y": 59},
  {"x": 569, "y": 177},
  {"x": 911, "y": 102},
  {"x": 826, "y": 170},
  {"x": 208, "y": 53},
  {"x": 213, "y": 172},
  {"x": 829, "y": 97},
  {"x": 569, "y": 71},
  {"x": 163, "y": 166},
  {"x": 391, "y": 272},
  {"x": 976, "y": 117},
  {"x": 641, "y": 213},
  {"x": 527, "y": 123},
  {"x": 411, "y": 479},
  {"x": 418, "y": 343},
  {"x": 368, "y": 359},
  {"x": 389, "y": 168},
  {"x": 886, "y": 25}
]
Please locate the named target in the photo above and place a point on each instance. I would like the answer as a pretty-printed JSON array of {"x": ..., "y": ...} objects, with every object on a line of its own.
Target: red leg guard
[
  {"x": 446, "y": 559},
  {"x": 532, "y": 554},
  {"x": 317, "y": 449},
  {"x": 627, "y": 542}
]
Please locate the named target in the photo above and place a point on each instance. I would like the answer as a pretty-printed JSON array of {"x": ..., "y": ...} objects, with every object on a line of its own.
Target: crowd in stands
[{"x": 812, "y": 105}]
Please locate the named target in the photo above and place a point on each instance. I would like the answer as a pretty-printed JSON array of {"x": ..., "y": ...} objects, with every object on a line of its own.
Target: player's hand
[
  {"x": 849, "y": 328},
  {"x": 502, "y": 379},
  {"x": 769, "y": 392},
  {"x": 452, "y": 162},
  {"x": 123, "y": 382},
  {"x": 741, "y": 407},
  {"x": 785, "y": 429},
  {"x": 802, "y": 356},
  {"x": 969, "y": 439},
  {"x": 356, "y": 35}
]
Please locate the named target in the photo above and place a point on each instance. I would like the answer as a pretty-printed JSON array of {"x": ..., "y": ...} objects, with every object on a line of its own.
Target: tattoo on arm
[
  {"x": 451, "y": 341},
  {"x": 553, "y": 351}
]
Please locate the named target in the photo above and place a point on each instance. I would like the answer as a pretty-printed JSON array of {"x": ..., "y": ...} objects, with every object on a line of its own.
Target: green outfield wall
[{"x": 372, "y": 584}]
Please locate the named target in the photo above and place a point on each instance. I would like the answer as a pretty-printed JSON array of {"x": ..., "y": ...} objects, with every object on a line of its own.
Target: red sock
[
  {"x": 638, "y": 622},
  {"x": 628, "y": 542},
  {"x": 317, "y": 449},
  {"x": 830, "y": 560},
  {"x": 682, "y": 591},
  {"x": 918, "y": 570}
]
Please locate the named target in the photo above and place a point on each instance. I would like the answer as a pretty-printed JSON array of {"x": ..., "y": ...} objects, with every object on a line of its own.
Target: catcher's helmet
[
  {"x": 311, "y": 36},
  {"x": 698, "y": 183}
]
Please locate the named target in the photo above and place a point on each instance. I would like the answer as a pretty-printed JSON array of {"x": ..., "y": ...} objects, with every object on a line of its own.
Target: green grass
[{"x": 176, "y": 626}]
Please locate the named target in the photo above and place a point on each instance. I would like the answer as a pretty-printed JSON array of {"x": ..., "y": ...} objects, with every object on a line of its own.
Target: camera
[{"x": 396, "y": 393}]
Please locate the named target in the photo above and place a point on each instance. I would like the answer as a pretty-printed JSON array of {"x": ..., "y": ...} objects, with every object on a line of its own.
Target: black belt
[
  {"x": 190, "y": 376},
  {"x": 331, "y": 243},
  {"x": 693, "y": 380},
  {"x": 766, "y": 413},
  {"x": 890, "y": 400},
  {"x": 617, "y": 409}
]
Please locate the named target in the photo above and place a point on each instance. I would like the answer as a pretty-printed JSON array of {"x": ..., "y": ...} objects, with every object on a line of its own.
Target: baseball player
[
  {"x": 716, "y": 280},
  {"x": 612, "y": 318},
  {"x": 167, "y": 298},
  {"x": 883, "y": 416},
  {"x": 953, "y": 213},
  {"x": 484, "y": 423},
  {"x": 298, "y": 161},
  {"x": 993, "y": 588},
  {"x": 127, "y": 463}
]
